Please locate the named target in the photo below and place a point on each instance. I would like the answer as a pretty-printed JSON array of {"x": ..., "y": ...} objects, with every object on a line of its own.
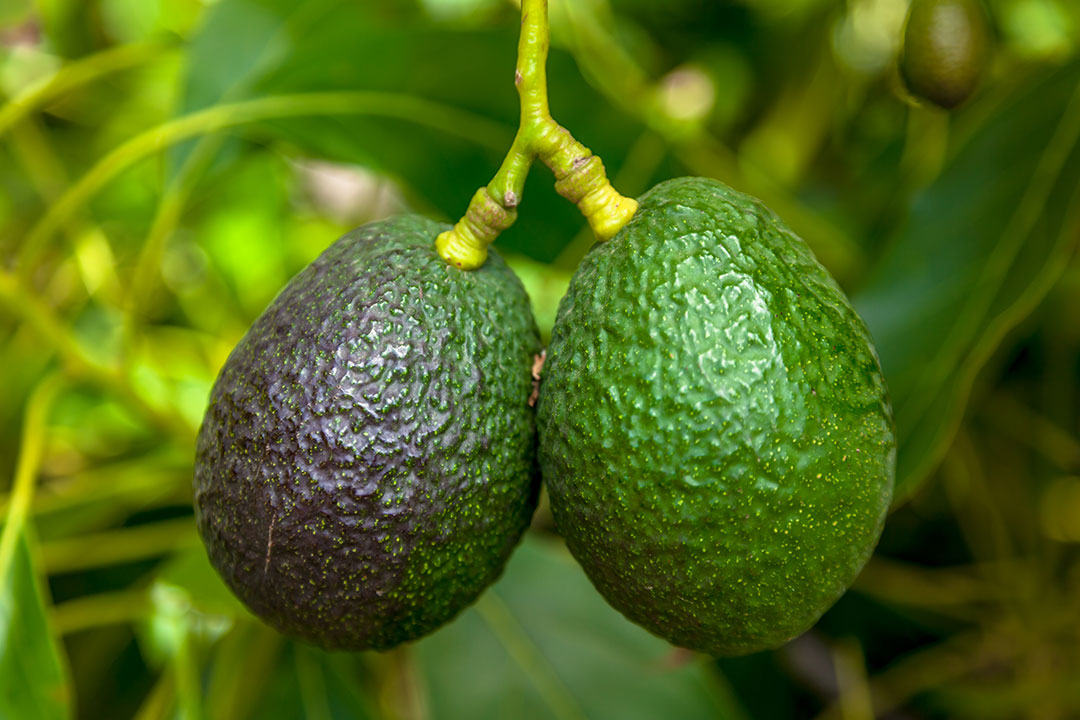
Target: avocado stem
[{"x": 579, "y": 175}]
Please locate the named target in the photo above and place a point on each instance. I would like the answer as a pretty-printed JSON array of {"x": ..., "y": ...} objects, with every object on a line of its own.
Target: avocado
[
  {"x": 367, "y": 462},
  {"x": 945, "y": 50},
  {"x": 715, "y": 433}
]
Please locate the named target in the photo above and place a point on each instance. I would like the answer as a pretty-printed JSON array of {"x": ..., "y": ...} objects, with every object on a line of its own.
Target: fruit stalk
[{"x": 579, "y": 174}]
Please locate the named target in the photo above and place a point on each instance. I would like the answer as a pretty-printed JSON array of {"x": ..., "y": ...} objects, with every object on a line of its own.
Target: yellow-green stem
[
  {"x": 76, "y": 74},
  {"x": 31, "y": 449},
  {"x": 579, "y": 175},
  {"x": 220, "y": 117}
]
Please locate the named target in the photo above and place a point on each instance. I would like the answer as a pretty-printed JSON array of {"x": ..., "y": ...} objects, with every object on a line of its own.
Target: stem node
[
  {"x": 579, "y": 174},
  {"x": 465, "y": 246},
  {"x": 587, "y": 186}
]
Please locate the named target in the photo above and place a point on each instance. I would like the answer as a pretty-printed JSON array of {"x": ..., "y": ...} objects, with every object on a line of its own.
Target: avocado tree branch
[{"x": 579, "y": 174}]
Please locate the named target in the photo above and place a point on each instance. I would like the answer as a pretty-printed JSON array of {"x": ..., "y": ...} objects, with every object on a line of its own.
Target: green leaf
[
  {"x": 542, "y": 643},
  {"x": 257, "y": 673},
  {"x": 191, "y": 570},
  {"x": 34, "y": 685},
  {"x": 268, "y": 44},
  {"x": 983, "y": 245},
  {"x": 34, "y": 682},
  {"x": 327, "y": 45},
  {"x": 14, "y": 12},
  {"x": 273, "y": 47},
  {"x": 471, "y": 69},
  {"x": 545, "y": 285}
]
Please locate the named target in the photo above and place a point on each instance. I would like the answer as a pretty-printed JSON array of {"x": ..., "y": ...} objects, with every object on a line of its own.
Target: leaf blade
[
  {"x": 35, "y": 683},
  {"x": 552, "y": 648},
  {"x": 36, "y": 686},
  {"x": 982, "y": 245}
]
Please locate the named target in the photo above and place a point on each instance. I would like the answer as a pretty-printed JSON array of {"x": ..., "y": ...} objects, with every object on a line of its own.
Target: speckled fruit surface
[
  {"x": 367, "y": 461},
  {"x": 714, "y": 427}
]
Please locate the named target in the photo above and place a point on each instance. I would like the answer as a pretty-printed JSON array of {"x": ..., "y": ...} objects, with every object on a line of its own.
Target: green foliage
[
  {"x": 165, "y": 167},
  {"x": 34, "y": 683},
  {"x": 549, "y": 647},
  {"x": 972, "y": 260}
]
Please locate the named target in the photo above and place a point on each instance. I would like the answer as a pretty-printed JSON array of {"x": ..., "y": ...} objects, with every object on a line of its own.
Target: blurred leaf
[
  {"x": 244, "y": 230},
  {"x": 34, "y": 685},
  {"x": 241, "y": 659},
  {"x": 310, "y": 683},
  {"x": 191, "y": 570},
  {"x": 67, "y": 25},
  {"x": 574, "y": 646},
  {"x": 272, "y": 48},
  {"x": 441, "y": 172},
  {"x": 545, "y": 285},
  {"x": 34, "y": 682},
  {"x": 103, "y": 496},
  {"x": 14, "y": 11},
  {"x": 542, "y": 643},
  {"x": 983, "y": 245},
  {"x": 461, "y": 10},
  {"x": 129, "y": 20},
  {"x": 168, "y": 640},
  {"x": 257, "y": 673}
]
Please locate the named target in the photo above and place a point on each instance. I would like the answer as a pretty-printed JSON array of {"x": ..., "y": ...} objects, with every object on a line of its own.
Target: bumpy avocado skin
[
  {"x": 714, "y": 428},
  {"x": 367, "y": 461}
]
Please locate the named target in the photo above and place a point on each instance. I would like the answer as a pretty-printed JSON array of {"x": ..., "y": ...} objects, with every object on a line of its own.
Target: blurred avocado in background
[
  {"x": 167, "y": 165},
  {"x": 946, "y": 46}
]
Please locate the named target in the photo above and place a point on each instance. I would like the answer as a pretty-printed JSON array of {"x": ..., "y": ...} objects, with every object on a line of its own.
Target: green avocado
[
  {"x": 367, "y": 462},
  {"x": 714, "y": 428},
  {"x": 945, "y": 50}
]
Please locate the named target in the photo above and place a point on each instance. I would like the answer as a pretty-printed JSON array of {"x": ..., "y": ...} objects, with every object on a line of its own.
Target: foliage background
[{"x": 167, "y": 165}]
